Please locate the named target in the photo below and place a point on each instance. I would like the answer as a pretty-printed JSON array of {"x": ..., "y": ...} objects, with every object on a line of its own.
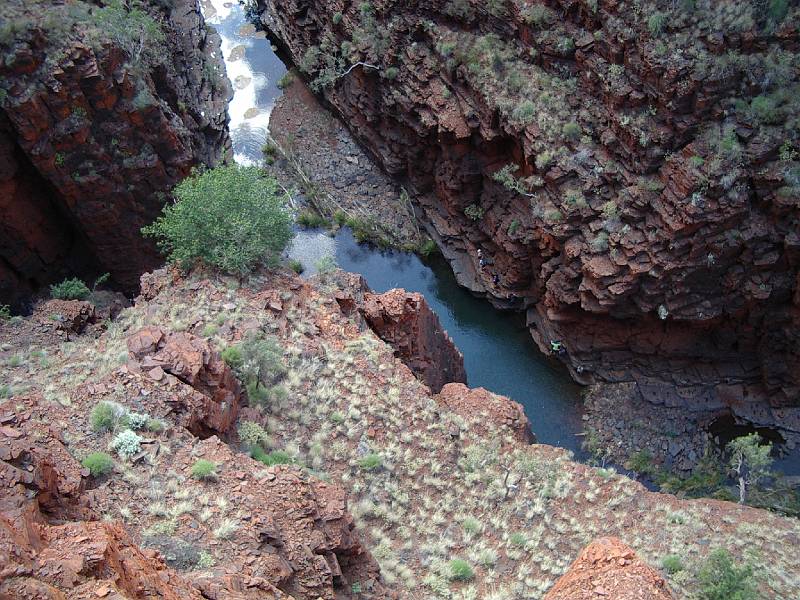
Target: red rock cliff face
[
  {"x": 647, "y": 213},
  {"x": 406, "y": 322},
  {"x": 90, "y": 142}
]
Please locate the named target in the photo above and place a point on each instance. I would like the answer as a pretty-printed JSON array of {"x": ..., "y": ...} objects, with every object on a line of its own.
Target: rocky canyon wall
[
  {"x": 626, "y": 174},
  {"x": 102, "y": 111}
]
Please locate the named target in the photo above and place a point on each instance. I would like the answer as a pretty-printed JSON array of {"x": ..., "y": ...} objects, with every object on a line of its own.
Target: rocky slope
[
  {"x": 378, "y": 472},
  {"x": 102, "y": 111},
  {"x": 629, "y": 174}
]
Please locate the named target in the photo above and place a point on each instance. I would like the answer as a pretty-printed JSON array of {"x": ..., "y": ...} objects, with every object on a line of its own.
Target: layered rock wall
[
  {"x": 93, "y": 135},
  {"x": 629, "y": 177}
]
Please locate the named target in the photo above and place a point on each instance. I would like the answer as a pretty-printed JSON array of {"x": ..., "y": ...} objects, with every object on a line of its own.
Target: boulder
[
  {"x": 608, "y": 568},
  {"x": 155, "y": 352}
]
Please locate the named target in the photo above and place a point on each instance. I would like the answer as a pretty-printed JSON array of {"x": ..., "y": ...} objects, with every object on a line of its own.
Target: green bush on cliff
[
  {"x": 98, "y": 463},
  {"x": 70, "y": 289},
  {"x": 231, "y": 217},
  {"x": 721, "y": 579},
  {"x": 204, "y": 470},
  {"x": 130, "y": 27}
]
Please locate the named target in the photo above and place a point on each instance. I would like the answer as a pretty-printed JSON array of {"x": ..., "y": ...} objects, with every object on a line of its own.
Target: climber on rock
[
  {"x": 481, "y": 261},
  {"x": 557, "y": 347}
]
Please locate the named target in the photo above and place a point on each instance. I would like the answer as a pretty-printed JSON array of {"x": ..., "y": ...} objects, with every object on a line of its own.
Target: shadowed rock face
[
  {"x": 406, "y": 322},
  {"x": 90, "y": 145},
  {"x": 607, "y": 568},
  {"x": 654, "y": 229}
]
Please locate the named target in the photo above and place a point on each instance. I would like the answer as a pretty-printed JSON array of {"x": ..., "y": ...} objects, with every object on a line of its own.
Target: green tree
[
  {"x": 231, "y": 217},
  {"x": 750, "y": 460},
  {"x": 70, "y": 289},
  {"x": 262, "y": 360},
  {"x": 721, "y": 579}
]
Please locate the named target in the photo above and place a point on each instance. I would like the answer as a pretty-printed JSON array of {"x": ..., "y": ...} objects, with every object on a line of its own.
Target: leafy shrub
[
  {"x": 5, "y": 312},
  {"x": 459, "y": 570},
  {"x": 750, "y": 460},
  {"x": 252, "y": 434},
  {"x": 459, "y": 9},
  {"x": 554, "y": 216},
  {"x": 543, "y": 159},
  {"x": 656, "y": 22},
  {"x": 518, "y": 539},
  {"x": 428, "y": 248},
  {"x": 98, "y": 463},
  {"x": 270, "y": 152},
  {"x": 154, "y": 425},
  {"x": 126, "y": 443},
  {"x": 70, "y": 289},
  {"x": 672, "y": 563},
  {"x": 721, "y": 579},
  {"x": 296, "y": 266},
  {"x": 106, "y": 415},
  {"x": 260, "y": 366},
  {"x": 285, "y": 81},
  {"x": 777, "y": 10},
  {"x": 537, "y": 15},
  {"x": 370, "y": 462},
  {"x": 230, "y": 217},
  {"x": 204, "y": 470},
  {"x": 696, "y": 161},
  {"x": 641, "y": 462},
  {"x": 524, "y": 112},
  {"x": 574, "y": 199},
  {"x": 765, "y": 109},
  {"x": 474, "y": 212},
  {"x": 571, "y": 130},
  {"x": 134, "y": 421},
  {"x": 326, "y": 265},
  {"x": 232, "y": 357}
]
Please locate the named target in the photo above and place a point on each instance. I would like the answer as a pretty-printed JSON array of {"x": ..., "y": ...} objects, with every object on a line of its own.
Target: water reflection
[{"x": 254, "y": 70}]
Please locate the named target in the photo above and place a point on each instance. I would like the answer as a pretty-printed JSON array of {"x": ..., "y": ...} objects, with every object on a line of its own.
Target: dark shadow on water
[{"x": 498, "y": 351}]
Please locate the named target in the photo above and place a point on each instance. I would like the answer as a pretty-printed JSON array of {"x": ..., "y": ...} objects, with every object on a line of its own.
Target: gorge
[
  {"x": 631, "y": 199},
  {"x": 619, "y": 180}
]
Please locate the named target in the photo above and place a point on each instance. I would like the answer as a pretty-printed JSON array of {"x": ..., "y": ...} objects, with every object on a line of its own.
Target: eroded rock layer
[
  {"x": 627, "y": 176},
  {"x": 95, "y": 129}
]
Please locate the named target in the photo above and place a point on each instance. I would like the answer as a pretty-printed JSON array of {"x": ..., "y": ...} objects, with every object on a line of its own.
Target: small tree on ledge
[
  {"x": 750, "y": 460},
  {"x": 230, "y": 217}
]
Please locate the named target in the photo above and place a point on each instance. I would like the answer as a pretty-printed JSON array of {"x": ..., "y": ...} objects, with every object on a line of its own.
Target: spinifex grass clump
[{"x": 257, "y": 361}]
